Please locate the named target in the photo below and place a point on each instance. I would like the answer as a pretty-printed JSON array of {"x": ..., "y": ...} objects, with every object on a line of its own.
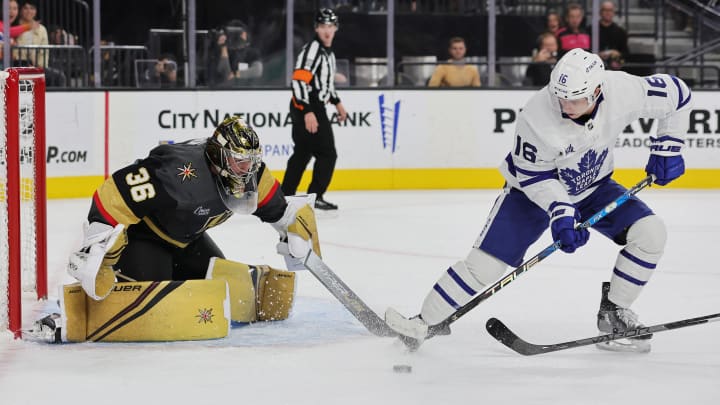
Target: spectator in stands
[
  {"x": 455, "y": 73},
  {"x": 110, "y": 71},
  {"x": 163, "y": 73},
  {"x": 58, "y": 36},
  {"x": 553, "y": 23},
  {"x": 36, "y": 36},
  {"x": 613, "y": 42},
  {"x": 16, "y": 29},
  {"x": 233, "y": 61},
  {"x": 575, "y": 35},
  {"x": 543, "y": 60}
]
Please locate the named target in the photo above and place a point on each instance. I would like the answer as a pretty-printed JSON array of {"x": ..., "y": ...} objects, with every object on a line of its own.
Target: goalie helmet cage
[{"x": 23, "y": 247}]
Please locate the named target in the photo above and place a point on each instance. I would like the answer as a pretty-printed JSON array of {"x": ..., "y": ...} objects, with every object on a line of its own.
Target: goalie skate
[
  {"x": 45, "y": 330},
  {"x": 613, "y": 319}
]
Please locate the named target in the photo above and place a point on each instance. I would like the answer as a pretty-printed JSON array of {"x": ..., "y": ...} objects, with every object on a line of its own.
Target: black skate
[
  {"x": 45, "y": 330},
  {"x": 321, "y": 204},
  {"x": 613, "y": 319}
]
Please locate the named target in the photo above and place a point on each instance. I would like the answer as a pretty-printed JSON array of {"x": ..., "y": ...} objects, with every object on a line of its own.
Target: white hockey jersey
[{"x": 556, "y": 158}]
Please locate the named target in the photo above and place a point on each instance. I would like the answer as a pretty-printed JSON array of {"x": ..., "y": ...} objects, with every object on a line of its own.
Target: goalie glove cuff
[
  {"x": 92, "y": 264},
  {"x": 297, "y": 226},
  {"x": 293, "y": 263}
]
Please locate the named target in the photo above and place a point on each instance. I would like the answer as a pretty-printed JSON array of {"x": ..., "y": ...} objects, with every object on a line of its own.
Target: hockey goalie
[{"x": 148, "y": 271}]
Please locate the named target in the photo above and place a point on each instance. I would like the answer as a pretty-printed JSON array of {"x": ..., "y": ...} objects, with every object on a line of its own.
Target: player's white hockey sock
[
  {"x": 459, "y": 283},
  {"x": 636, "y": 263},
  {"x": 454, "y": 289}
]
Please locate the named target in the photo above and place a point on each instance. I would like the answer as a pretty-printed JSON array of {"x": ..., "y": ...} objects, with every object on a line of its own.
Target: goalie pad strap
[{"x": 242, "y": 291}]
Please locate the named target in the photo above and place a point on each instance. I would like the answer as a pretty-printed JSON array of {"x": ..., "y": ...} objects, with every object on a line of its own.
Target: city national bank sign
[
  {"x": 169, "y": 119},
  {"x": 177, "y": 120},
  {"x": 273, "y": 127}
]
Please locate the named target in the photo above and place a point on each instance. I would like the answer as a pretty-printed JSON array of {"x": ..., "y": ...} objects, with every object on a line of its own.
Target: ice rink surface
[{"x": 390, "y": 247}]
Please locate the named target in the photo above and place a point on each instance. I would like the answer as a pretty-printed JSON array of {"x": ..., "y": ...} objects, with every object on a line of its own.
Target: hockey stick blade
[
  {"x": 372, "y": 322},
  {"x": 444, "y": 325},
  {"x": 504, "y": 335}
]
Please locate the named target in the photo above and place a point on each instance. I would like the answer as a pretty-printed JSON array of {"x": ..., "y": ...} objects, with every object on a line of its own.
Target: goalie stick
[
  {"x": 443, "y": 328},
  {"x": 372, "y": 322},
  {"x": 504, "y": 335}
]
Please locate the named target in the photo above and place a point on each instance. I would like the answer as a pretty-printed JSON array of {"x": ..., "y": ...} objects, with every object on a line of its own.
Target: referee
[{"x": 313, "y": 86}]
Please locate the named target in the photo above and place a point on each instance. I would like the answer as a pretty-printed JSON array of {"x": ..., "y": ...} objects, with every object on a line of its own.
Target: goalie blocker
[{"x": 175, "y": 310}]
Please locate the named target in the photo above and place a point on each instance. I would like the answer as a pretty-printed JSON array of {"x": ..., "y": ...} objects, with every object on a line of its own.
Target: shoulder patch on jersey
[
  {"x": 187, "y": 172},
  {"x": 588, "y": 169}
]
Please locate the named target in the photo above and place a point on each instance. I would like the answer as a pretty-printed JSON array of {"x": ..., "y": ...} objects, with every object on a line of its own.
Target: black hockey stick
[
  {"x": 374, "y": 323},
  {"x": 442, "y": 328},
  {"x": 504, "y": 335}
]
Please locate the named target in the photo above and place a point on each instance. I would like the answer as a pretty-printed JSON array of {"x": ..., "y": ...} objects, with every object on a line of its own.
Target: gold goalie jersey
[{"x": 175, "y": 194}]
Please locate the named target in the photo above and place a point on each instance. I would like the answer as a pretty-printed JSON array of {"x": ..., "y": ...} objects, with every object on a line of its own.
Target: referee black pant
[{"x": 320, "y": 145}]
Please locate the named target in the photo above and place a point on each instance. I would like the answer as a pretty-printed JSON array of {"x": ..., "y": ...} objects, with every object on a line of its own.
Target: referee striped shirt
[{"x": 313, "y": 79}]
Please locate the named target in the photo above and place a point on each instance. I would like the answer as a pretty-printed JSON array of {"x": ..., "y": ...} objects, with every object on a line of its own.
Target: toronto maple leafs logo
[{"x": 589, "y": 168}]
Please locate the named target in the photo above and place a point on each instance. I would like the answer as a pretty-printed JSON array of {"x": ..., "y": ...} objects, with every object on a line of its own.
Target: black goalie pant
[
  {"x": 320, "y": 145},
  {"x": 149, "y": 258}
]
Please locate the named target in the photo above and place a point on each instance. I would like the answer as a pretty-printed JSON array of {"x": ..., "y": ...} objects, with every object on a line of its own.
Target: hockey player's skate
[
  {"x": 414, "y": 327},
  {"x": 614, "y": 319},
  {"x": 321, "y": 204},
  {"x": 45, "y": 330},
  {"x": 413, "y": 331}
]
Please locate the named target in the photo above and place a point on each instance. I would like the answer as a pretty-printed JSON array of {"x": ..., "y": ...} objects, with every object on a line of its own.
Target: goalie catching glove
[
  {"x": 92, "y": 264},
  {"x": 298, "y": 231}
]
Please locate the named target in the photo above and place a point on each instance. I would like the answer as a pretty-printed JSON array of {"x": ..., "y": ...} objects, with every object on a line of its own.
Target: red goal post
[{"x": 23, "y": 244}]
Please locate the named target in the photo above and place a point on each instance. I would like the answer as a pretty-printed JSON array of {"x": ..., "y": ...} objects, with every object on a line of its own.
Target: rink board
[{"x": 393, "y": 139}]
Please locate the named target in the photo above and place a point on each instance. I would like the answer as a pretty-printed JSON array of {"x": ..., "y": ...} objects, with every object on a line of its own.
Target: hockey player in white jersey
[{"x": 559, "y": 174}]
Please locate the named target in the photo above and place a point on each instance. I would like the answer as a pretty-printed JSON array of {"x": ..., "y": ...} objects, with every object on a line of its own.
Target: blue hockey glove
[
  {"x": 665, "y": 162},
  {"x": 563, "y": 218}
]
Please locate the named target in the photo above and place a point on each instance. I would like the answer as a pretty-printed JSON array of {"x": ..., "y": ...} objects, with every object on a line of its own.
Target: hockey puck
[{"x": 402, "y": 368}]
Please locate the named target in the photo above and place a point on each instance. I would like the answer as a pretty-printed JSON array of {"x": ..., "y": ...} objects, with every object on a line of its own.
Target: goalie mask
[
  {"x": 234, "y": 154},
  {"x": 574, "y": 80}
]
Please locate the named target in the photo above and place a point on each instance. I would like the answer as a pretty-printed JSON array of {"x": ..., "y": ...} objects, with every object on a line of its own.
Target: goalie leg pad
[
  {"x": 243, "y": 306},
  {"x": 73, "y": 313},
  {"x": 275, "y": 293},
  {"x": 148, "y": 311},
  {"x": 459, "y": 283},
  {"x": 636, "y": 263}
]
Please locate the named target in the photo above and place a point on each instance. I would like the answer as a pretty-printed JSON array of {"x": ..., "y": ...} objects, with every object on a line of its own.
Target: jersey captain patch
[
  {"x": 187, "y": 172},
  {"x": 588, "y": 170}
]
